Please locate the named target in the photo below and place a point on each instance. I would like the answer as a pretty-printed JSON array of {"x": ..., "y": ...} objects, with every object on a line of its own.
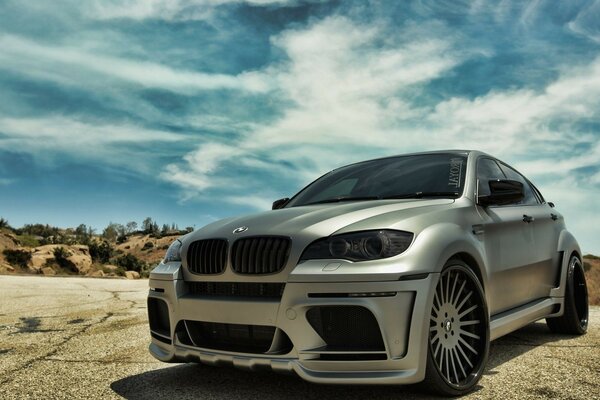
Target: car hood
[{"x": 315, "y": 221}]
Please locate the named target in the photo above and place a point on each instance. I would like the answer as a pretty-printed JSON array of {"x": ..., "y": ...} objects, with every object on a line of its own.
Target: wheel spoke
[
  {"x": 436, "y": 303},
  {"x": 465, "y": 323},
  {"x": 468, "y": 310},
  {"x": 462, "y": 303},
  {"x": 465, "y": 356},
  {"x": 442, "y": 358},
  {"x": 453, "y": 365},
  {"x": 437, "y": 349},
  {"x": 459, "y": 362},
  {"x": 453, "y": 288},
  {"x": 448, "y": 289},
  {"x": 460, "y": 290},
  {"x": 467, "y": 345},
  {"x": 447, "y": 368},
  {"x": 469, "y": 334}
]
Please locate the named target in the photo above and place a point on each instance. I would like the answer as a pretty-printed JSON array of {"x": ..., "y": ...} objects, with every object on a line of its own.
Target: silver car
[{"x": 390, "y": 271}]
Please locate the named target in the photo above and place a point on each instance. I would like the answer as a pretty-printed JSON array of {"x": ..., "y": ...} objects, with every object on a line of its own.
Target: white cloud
[
  {"x": 342, "y": 90},
  {"x": 167, "y": 9},
  {"x": 51, "y": 137},
  {"x": 74, "y": 66},
  {"x": 586, "y": 23}
]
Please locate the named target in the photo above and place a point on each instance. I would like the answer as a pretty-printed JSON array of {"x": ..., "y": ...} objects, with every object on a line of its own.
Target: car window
[
  {"x": 530, "y": 197},
  {"x": 487, "y": 170},
  {"x": 440, "y": 174}
]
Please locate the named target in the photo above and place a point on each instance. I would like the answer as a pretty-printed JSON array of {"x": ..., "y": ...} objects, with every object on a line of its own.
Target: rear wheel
[
  {"x": 459, "y": 336},
  {"x": 574, "y": 320}
]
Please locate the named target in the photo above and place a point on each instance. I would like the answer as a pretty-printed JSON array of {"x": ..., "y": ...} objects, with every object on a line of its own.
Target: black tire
[
  {"x": 459, "y": 331},
  {"x": 574, "y": 320}
]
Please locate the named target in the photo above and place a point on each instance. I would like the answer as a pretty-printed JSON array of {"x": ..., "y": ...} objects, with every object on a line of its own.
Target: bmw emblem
[{"x": 240, "y": 229}]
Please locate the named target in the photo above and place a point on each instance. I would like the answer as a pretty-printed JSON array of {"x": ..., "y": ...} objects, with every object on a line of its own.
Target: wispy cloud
[
  {"x": 50, "y": 139},
  {"x": 168, "y": 9},
  {"x": 71, "y": 66}
]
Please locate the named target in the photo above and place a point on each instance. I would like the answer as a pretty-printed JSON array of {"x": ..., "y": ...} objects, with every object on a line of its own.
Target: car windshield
[{"x": 414, "y": 176}]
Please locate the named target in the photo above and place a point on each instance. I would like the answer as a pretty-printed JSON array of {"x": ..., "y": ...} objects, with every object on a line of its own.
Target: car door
[
  {"x": 509, "y": 243},
  {"x": 543, "y": 272}
]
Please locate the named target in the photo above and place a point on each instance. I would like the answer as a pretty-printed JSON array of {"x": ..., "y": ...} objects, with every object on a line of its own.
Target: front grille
[
  {"x": 260, "y": 255},
  {"x": 256, "y": 339},
  {"x": 346, "y": 328},
  {"x": 237, "y": 289},
  {"x": 207, "y": 256}
]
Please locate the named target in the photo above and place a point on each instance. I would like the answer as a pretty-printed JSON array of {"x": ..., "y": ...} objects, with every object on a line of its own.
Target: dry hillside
[{"x": 77, "y": 260}]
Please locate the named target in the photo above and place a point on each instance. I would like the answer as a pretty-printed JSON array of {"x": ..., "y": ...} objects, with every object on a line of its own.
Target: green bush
[
  {"x": 4, "y": 223},
  {"x": 61, "y": 256},
  {"x": 130, "y": 263},
  {"x": 18, "y": 258},
  {"x": 28, "y": 241},
  {"x": 101, "y": 252},
  {"x": 591, "y": 256}
]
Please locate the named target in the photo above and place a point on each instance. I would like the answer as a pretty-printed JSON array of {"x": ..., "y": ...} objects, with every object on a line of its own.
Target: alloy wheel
[{"x": 458, "y": 334}]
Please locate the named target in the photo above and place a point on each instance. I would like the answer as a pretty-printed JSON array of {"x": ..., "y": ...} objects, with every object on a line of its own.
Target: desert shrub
[
  {"x": 4, "y": 223},
  {"x": 121, "y": 239},
  {"x": 61, "y": 255},
  {"x": 130, "y": 263},
  {"x": 100, "y": 252},
  {"x": 148, "y": 246},
  {"x": 18, "y": 258},
  {"x": 591, "y": 257},
  {"x": 28, "y": 241},
  {"x": 587, "y": 266}
]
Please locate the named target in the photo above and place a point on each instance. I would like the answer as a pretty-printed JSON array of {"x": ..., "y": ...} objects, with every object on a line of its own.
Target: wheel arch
[
  {"x": 567, "y": 244},
  {"x": 473, "y": 265}
]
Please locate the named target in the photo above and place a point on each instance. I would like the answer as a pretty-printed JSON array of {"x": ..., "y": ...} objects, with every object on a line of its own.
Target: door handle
[{"x": 527, "y": 218}]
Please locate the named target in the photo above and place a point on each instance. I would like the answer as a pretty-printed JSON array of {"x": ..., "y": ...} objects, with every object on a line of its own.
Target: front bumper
[{"x": 401, "y": 309}]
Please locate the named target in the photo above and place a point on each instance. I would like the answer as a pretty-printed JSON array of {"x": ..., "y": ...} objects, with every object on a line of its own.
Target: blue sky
[{"x": 189, "y": 111}]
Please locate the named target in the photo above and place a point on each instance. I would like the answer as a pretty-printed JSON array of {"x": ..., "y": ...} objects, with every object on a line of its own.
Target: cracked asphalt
[{"x": 88, "y": 338}]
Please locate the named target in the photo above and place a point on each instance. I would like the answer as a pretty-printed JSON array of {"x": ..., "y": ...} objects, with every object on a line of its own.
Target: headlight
[
  {"x": 174, "y": 252},
  {"x": 359, "y": 246}
]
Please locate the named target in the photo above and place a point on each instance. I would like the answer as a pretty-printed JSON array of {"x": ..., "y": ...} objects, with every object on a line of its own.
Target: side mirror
[
  {"x": 277, "y": 204},
  {"x": 502, "y": 191}
]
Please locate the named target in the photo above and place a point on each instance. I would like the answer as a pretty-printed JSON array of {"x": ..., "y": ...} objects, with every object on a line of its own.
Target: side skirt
[{"x": 511, "y": 320}]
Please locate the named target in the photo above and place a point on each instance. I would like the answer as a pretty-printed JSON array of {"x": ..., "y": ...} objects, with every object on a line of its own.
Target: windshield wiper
[
  {"x": 420, "y": 195},
  {"x": 343, "y": 198}
]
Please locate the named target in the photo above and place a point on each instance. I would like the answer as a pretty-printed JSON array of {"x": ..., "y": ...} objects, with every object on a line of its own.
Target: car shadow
[{"x": 193, "y": 381}]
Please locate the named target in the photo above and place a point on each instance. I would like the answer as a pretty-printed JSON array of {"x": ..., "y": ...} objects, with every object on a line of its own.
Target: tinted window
[
  {"x": 530, "y": 197},
  {"x": 394, "y": 176},
  {"x": 487, "y": 170}
]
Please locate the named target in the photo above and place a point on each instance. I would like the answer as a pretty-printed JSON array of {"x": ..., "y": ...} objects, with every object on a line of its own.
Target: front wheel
[
  {"x": 459, "y": 334},
  {"x": 574, "y": 320}
]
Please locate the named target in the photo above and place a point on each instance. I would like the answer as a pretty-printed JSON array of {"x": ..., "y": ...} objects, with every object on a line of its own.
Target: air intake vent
[
  {"x": 346, "y": 328},
  {"x": 237, "y": 289},
  {"x": 207, "y": 256},
  {"x": 231, "y": 337},
  {"x": 260, "y": 255}
]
